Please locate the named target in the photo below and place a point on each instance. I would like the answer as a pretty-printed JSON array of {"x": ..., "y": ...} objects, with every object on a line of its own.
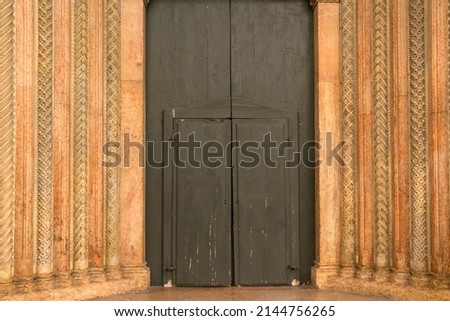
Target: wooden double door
[{"x": 232, "y": 79}]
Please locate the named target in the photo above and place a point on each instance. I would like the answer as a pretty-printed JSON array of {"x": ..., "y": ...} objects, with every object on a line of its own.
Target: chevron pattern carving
[
  {"x": 80, "y": 133},
  {"x": 419, "y": 136},
  {"x": 348, "y": 99},
  {"x": 382, "y": 129},
  {"x": 54, "y": 242},
  {"x": 44, "y": 185},
  {"x": 7, "y": 137},
  {"x": 112, "y": 127}
]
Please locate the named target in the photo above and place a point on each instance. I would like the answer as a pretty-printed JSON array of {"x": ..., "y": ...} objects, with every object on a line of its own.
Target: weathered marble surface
[
  {"x": 69, "y": 229},
  {"x": 71, "y": 79},
  {"x": 393, "y": 219}
]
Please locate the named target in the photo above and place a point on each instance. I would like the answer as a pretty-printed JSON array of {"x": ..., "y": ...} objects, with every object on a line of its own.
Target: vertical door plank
[
  {"x": 201, "y": 218},
  {"x": 188, "y": 64},
  {"x": 262, "y": 210},
  {"x": 272, "y": 65}
]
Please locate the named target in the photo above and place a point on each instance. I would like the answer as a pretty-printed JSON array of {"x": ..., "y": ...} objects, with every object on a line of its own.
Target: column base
[
  {"x": 96, "y": 275},
  {"x": 401, "y": 278},
  {"x": 140, "y": 274},
  {"x": 441, "y": 282},
  {"x": 113, "y": 272},
  {"x": 364, "y": 273},
  {"x": 420, "y": 279},
  {"x": 23, "y": 285},
  {"x": 77, "y": 285},
  {"x": 43, "y": 283},
  {"x": 62, "y": 280},
  {"x": 5, "y": 289},
  {"x": 382, "y": 275},
  {"x": 347, "y": 272},
  {"x": 320, "y": 275},
  {"x": 80, "y": 277}
]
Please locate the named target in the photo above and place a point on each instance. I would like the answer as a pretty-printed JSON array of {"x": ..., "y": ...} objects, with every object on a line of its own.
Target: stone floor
[{"x": 239, "y": 294}]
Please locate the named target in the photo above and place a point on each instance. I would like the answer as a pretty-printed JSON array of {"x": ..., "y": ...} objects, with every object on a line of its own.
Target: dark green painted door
[
  {"x": 188, "y": 65},
  {"x": 229, "y": 71},
  {"x": 266, "y": 213}
]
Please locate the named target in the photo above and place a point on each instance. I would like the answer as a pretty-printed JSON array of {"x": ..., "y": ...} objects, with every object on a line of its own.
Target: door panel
[
  {"x": 271, "y": 52},
  {"x": 272, "y": 65},
  {"x": 188, "y": 65},
  {"x": 197, "y": 214},
  {"x": 265, "y": 216}
]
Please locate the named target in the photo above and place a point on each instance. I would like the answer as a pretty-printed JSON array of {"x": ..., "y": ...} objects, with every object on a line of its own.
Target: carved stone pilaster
[
  {"x": 44, "y": 116},
  {"x": 112, "y": 128},
  {"x": 446, "y": 277},
  {"x": 419, "y": 138},
  {"x": 349, "y": 134},
  {"x": 382, "y": 136},
  {"x": 7, "y": 138},
  {"x": 80, "y": 134}
]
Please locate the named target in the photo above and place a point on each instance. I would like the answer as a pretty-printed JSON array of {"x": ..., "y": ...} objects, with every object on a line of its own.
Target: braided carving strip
[
  {"x": 80, "y": 133},
  {"x": 418, "y": 132},
  {"x": 44, "y": 183},
  {"x": 7, "y": 137},
  {"x": 348, "y": 98},
  {"x": 382, "y": 128},
  {"x": 112, "y": 127}
]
